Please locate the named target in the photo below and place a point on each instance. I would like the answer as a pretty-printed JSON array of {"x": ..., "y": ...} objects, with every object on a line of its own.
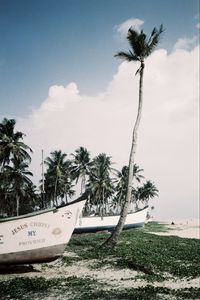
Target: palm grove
[
  {"x": 109, "y": 190},
  {"x": 106, "y": 185}
]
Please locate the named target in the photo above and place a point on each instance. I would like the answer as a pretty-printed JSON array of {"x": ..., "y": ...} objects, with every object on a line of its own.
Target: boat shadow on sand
[{"x": 17, "y": 269}]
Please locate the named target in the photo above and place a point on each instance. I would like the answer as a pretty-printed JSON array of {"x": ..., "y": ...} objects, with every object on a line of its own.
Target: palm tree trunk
[
  {"x": 66, "y": 199},
  {"x": 120, "y": 203},
  {"x": 82, "y": 184},
  {"x": 55, "y": 192},
  {"x": 103, "y": 203},
  {"x": 112, "y": 240},
  {"x": 17, "y": 205}
]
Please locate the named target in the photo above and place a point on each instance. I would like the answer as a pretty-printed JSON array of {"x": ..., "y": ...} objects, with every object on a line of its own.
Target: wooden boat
[
  {"x": 97, "y": 223},
  {"x": 40, "y": 236}
]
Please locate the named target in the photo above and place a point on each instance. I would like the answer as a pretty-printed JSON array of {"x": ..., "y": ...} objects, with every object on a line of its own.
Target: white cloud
[
  {"x": 168, "y": 136},
  {"x": 198, "y": 25},
  {"x": 185, "y": 43},
  {"x": 123, "y": 28},
  {"x": 59, "y": 96}
]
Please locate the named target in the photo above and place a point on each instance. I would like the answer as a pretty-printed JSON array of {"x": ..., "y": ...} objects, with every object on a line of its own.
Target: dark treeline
[{"x": 107, "y": 186}]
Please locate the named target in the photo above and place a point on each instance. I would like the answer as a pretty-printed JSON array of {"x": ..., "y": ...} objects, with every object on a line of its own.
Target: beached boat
[
  {"x": 40, "y": 236},
  {"x": 97, "y": 223}
]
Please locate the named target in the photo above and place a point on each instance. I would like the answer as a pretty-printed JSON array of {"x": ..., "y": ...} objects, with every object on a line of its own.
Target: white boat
[
  {"x": 97, "y": 223},
  {"x": 40, "y": 236}
]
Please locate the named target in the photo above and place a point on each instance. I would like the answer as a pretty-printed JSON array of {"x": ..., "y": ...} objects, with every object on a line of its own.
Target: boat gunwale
[
  {"x": 117, "y": 215},
  {"x": 44, "y": 211}
]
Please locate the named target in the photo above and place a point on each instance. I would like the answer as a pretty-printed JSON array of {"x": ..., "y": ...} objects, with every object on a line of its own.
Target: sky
[{"x": 61, "y": 82}]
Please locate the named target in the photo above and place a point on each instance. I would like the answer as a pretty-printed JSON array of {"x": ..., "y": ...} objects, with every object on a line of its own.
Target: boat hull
[
  {"x": 38, "y": 237},
  {"x": 94, "y": 224},
  {"x": 45, "y": 254}
]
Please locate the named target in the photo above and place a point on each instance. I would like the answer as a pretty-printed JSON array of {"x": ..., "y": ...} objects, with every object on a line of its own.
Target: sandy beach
[
  {"x": 108, "y": 275},
  {"x": 184, "y": 228}
]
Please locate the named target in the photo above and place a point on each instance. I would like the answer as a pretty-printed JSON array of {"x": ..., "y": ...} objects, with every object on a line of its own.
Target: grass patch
[
  {"x": 154, "y": 254},
  {"x": 15, "y": 288},
  {"x": 142, "y": 251},
  {"x": 156, "y": 227},
  {"x": 74, "y": 288},
  {"x": 148, "y": 293},
  {"x": 69, "y": 260},
  {"x": 25, "y": 287}
]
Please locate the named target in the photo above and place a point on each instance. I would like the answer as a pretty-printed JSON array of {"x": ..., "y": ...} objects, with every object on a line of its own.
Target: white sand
[{"x": 185, "y": 228}]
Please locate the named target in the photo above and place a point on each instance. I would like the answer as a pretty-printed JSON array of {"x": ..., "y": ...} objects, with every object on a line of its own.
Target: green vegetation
[
  {"x": 154, "y": 255},
  {"x": 75, "y": 288},
  {"x": 69, "y": 260},
  {"x": 23, "y": 288},
  {"x": 17, "y": 191},
  {"x": 139, "y": 250},
  {"x": 157, "y": 258},
  {"x": 155, "y": 227}
]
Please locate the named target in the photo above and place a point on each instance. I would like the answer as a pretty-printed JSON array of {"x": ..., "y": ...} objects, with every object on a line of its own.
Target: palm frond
[
  {"x": 128, "y": 56},
  {"x": 133, "y": 38},
  {"x": 154, "y": 40},
  {"x": 141, "y": 47}
]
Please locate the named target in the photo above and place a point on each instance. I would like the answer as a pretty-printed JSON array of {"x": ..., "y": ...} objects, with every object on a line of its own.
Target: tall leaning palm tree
[{"x": 141, "y": 48}]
